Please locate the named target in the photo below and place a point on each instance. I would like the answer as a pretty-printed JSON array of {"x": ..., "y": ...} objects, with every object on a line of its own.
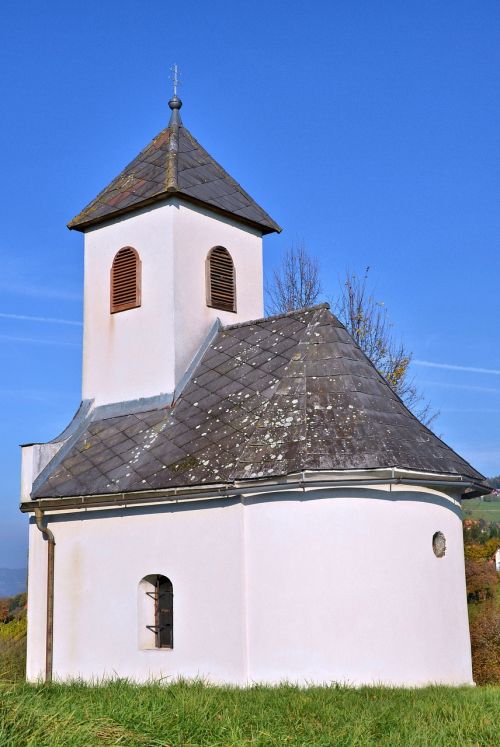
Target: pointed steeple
[{"x": 174, "y": 164}]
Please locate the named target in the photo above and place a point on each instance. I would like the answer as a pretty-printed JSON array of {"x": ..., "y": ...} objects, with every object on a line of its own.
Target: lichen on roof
[
  {"x": 174, "y": 164},
  {"x": 269, "y": 398}
]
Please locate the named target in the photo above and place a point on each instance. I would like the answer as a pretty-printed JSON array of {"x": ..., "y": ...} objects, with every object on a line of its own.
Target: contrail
[
  {"x": 36, "y": 341},
  {"x": 46, "y": 319},
  {"x": 36, "y": 291},
  {"x": 467, "y": 387},
  {"x": 451, "y": 367}
]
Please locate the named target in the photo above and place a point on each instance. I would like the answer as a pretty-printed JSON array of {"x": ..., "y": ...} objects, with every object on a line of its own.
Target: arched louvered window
[
  {"x": 125, "y": 280},
  {"x": 221, "y": 285}
]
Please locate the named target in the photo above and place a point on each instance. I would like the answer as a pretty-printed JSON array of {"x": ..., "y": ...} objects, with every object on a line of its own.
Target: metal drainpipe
[{"x": 49, "y": 636}]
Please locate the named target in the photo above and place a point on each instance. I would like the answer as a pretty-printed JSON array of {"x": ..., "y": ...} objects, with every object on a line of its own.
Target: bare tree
[
  {"x": 367, "y": 322},
  {"x": 295, "y": 284}
]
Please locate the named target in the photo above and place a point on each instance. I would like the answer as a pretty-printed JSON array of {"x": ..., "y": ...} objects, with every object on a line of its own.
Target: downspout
[{"x": 49, "y": 635}]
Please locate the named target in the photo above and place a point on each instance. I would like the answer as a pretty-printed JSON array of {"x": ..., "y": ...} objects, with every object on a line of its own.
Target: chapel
[{"x": 239, "y": 498}]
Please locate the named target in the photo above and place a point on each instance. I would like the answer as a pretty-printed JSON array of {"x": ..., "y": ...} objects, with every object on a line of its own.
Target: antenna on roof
[{"x": 175, "y": 77}]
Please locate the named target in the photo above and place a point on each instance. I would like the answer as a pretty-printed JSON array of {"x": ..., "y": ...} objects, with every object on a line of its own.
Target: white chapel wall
[
  {"x": 128, "y": 355},
  {"x": 339, "y": 586},
  {"x": 196, "y": 231},
  {"x": 144, "y": 352},
  {"x": 101, "y": 557},
  {"x": 349, "y": 589},
  {"x": 37, "y": 604}
]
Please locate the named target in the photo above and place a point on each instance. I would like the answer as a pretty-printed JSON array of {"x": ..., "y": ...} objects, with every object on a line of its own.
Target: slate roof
[
  {"x": 269, "y": 398},
  {"x": 174, "y": 164}
]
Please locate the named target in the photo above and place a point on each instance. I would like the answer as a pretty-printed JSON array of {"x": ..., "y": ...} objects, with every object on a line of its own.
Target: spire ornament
[
  {"x": 175, "y": 122},
  {"x": 175, "y": 103},
  {"x": 175, "y": 77}
]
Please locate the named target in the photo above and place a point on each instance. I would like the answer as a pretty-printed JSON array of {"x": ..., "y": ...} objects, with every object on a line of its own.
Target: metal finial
[
  {"x": 175, "y": 77},
  {"x": 175, "y": 103}
]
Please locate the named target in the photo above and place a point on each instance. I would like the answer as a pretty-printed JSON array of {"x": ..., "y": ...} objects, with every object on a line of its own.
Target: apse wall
[
  {"x": 339, "y": 585},
  {"x": 344, "y": 586}
]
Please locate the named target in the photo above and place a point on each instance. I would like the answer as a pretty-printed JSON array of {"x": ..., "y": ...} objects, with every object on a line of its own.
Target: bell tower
[{"x": 172, "y": 245}]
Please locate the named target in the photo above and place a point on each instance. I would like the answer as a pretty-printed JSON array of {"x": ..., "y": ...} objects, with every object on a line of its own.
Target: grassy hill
[
  {"x": 186, "y": 715},
  {"x": 477, "y": 508}
]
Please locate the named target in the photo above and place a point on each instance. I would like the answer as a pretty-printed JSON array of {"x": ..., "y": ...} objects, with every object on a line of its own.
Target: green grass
[
  {"x": 475, "y": 508},
  {"x": 186, "y": 715}
]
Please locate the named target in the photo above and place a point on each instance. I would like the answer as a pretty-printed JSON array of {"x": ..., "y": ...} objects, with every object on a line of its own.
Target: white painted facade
[
  {"x": 334, "y": 585},
  {"x": 306, "y": 585},
  {"x": 144, "y": 352}
]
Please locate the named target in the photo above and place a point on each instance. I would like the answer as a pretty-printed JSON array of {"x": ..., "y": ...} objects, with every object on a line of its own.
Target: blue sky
[{"x": 369, "y": 130}]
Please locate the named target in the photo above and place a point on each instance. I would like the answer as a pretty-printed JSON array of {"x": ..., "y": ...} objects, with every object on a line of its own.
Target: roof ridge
[
  {"x": 300, "y": 339},
  {"x": 403, "y": 403},
  {"x": 304, "y": 309},
  {"x": 145, "y": 180},
  {"x": 233, "y": 181}
]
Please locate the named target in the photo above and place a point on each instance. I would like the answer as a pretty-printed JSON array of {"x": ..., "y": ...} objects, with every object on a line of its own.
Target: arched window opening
[
  {"x": 156, "y": 612},
  {"x": 221, "y": 284},
  {"x": 125, "y": 280}
]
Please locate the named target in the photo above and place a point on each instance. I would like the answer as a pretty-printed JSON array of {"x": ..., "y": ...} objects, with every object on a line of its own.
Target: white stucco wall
[
  {"x": 145, "y": 351},
  {"x": 99, "y": 563},
  {"x": 341, "y": 585},
  {"x": 196, "y": 231},
  {"x": 362, "y": 597}
]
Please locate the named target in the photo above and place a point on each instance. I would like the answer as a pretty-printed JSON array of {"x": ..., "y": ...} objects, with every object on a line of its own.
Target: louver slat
[
  {"x": 221, "y": 282},
  {"x": 125, "y": 280}
]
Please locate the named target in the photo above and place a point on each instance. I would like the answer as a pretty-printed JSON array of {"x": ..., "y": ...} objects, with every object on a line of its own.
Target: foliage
[
  {"x": 296, "y": 284},
  {"x": 485, "y": 644},
  {"x": 189, "y": 715},
  {"x": 12, "y": 607},
  {"x": 494, "y": 482},
  {"x": 13, "y": 637},
  {"x": 480, "y": 531},
  {"x": 481, "y": 578},
  {"x": 483, "y": 595},
  {"x": 483, "y": 551}
]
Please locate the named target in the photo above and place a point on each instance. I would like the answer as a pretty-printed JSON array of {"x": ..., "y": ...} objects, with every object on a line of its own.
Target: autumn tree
[
  {"x": 366, "y": 319},
  {"x": 485, "y": 645},
  {"x": 481, "y": 578},
  {"x": 296, "y": 284},
  {"x": 483, "y": 551}
]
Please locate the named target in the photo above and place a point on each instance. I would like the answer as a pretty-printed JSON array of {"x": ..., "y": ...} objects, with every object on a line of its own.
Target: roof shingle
[
  {"x": 198, "y": 178},
  {"x": 299, "y": 394}
]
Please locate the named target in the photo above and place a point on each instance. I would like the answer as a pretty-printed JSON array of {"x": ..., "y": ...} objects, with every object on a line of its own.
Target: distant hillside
[
  {"x": 487, "y": 507},
  {"x": 478, "y": 508},
  {"x": 12, "y": 581}
]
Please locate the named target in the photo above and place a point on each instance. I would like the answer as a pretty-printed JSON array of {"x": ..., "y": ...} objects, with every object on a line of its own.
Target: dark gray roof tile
[
  {"x": 199, "y": 178},
  {"x": 292, "y": 393}
]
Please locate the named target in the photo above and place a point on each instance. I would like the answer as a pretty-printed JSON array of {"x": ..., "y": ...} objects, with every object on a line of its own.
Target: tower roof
[
  {"x": 269, "y": 398},
  {"x": 174, "y": 164}
]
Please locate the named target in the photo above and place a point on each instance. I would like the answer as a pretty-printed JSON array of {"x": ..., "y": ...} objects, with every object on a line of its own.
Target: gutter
[
  {"x": 303, "y": 482},
  {"x": 49, "y": 633}
]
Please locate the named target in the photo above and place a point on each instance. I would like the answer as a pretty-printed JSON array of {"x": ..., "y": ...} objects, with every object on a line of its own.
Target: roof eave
[
  {"x": 82, "y": 225},
  {"x": 464, "y": 487}
]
